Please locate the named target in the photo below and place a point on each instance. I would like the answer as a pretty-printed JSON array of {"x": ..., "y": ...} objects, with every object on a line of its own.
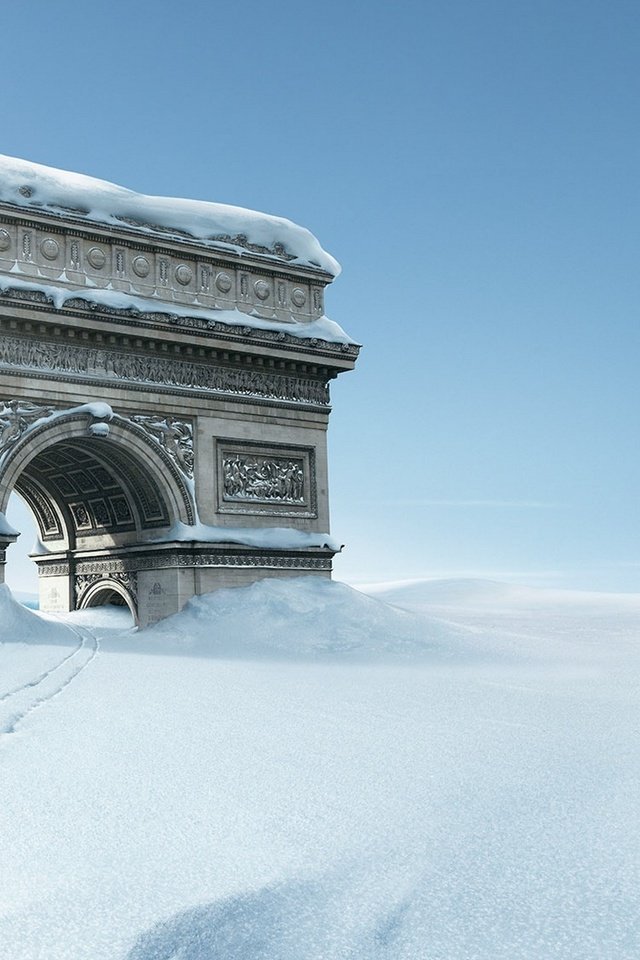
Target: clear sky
[{"x": 474, "y": 167}]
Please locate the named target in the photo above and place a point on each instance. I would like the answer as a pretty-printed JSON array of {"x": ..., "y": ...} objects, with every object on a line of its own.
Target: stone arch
[
  {"x": 86, "y": 476},
  {"x": 103, "y": 591}
]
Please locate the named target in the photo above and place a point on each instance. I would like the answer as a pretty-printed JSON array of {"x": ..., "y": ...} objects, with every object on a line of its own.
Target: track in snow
[{"x": 17, "y": 704}]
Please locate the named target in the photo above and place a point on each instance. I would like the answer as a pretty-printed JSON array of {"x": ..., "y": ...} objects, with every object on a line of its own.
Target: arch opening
[
  {"x": 114, "y": 598},
  {"x": 88, "y": 488},
  {"x": 107, "y": 597},
  {"x": 98, "y": 496}
]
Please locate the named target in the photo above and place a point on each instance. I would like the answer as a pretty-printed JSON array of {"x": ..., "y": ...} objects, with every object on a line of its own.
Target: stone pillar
[{"x": 6, "y": 539}]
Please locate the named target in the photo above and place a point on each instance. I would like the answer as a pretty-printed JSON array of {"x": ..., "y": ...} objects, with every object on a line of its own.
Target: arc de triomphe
[{"x": 163, "y": 391}]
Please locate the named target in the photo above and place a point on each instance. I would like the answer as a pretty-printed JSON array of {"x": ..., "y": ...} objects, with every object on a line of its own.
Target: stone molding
[
  {"x": 48, "y": 569},
  {"x": 112, "y": 568},
  {"x": 156, "y": 320}
]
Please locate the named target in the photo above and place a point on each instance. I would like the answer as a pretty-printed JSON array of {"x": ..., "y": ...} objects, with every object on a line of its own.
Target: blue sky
[{"x": 474, "y": 168}]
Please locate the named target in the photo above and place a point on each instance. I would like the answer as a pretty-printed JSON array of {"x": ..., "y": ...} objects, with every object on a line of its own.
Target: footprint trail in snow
[{"x": 19, "y": 703}]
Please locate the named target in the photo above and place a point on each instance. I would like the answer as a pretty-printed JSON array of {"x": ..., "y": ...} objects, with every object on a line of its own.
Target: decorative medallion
[
  {"x": 141, "y": 266},
  {"x": 298, "y": 296},
  {"x": 50, "y": 248},
  {"x": 184, "y": 274},
  {"x": 262, "y": 289},
  {"x": 97, "y": 258},
  {"x": 224, "y": 282},
  {"x": 5, "y": 240}
]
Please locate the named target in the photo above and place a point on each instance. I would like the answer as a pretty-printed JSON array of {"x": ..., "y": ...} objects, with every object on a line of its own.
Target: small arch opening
[
  {"x": 106, "y": 598},
  {"x": 112, "y": 600}
]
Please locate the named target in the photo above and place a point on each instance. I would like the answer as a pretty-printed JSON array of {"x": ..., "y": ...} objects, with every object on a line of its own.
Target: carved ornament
[
  {"x": 18, "y": 416},
  {"x": 174, "y": 436}
]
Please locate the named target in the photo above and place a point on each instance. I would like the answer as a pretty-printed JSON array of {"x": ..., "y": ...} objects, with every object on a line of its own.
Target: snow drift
[
  {"x": 303, "y": 617},
  {"x": 34, "y": 185},
  {"x": 20, "y": 625},
  {"x": 318, "y": 782}
]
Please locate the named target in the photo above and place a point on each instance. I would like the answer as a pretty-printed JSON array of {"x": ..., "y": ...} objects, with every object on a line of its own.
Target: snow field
[{"x": 295, "y": 771}]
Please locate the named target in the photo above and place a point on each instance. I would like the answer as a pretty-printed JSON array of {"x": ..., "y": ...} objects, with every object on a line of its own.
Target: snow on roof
[{"x": 35, "y": 186}]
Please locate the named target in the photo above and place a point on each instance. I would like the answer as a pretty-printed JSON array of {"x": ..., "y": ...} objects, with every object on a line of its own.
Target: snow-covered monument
[{"x": 164, "y": 371}]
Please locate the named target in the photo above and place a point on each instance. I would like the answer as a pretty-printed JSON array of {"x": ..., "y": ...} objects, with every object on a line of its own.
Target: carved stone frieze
[
  {"x": 174, "y": 436},
  {"x": 105, "y": 364}
]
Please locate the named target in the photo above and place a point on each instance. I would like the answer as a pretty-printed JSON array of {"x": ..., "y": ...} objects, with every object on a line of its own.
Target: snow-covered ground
[{"x": 297, "y": 771}]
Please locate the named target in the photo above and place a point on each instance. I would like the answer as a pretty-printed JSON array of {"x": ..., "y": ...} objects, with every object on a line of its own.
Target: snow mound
[
  {"x": 478, "y": 594},
  {"x": 105, "y": 619},
  {"x": 303, "y": 617},
  {"x": 510, "y": 621},
  {"x": 19, "y": 625},
  {"x": 33, "y": 185}
]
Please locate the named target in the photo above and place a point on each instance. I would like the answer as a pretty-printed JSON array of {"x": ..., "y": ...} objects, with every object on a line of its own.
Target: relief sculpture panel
[
  {"x": 273, "y": 480},
  {"x": 259, "y": 478}
]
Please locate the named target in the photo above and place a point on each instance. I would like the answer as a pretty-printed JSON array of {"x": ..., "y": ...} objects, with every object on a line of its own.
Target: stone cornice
[
  {"x": 72, "y": 255},
  {"x": 343, "y": 355}
]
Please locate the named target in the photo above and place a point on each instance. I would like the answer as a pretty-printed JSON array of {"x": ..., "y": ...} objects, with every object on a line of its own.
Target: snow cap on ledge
[
  {"x": 274, "y": 538},
  {"x": 6, "y": 530},
  {"x": 36, "y": 186},
  {"x": 322, "y": 328}
]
